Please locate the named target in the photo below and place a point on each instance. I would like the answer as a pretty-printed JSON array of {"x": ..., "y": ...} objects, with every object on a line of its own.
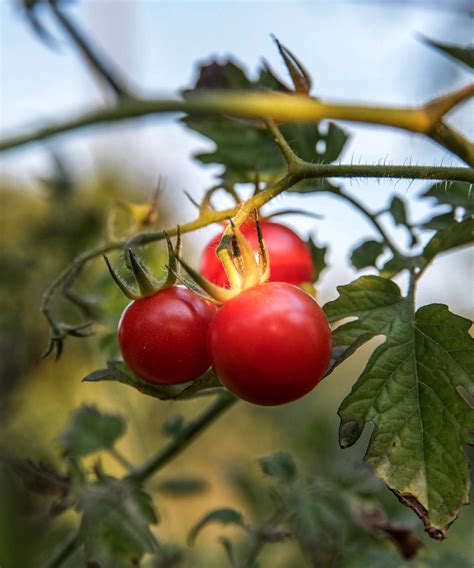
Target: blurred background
[{"x": 356, "y": 51}]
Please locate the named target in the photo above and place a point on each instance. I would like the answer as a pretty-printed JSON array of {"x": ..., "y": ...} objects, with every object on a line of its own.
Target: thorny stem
[
  {"x": 241, "y": 211},
  {"x": 189, "y": 432},
  {"x": 279, "y": 107}
]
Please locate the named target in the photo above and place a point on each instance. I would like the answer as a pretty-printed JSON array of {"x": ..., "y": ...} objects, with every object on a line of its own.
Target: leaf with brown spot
[{"x": 411, "y": 390}]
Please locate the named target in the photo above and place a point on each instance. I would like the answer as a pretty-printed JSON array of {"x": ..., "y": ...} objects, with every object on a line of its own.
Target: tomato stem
[{"x": 189, "y": 432}]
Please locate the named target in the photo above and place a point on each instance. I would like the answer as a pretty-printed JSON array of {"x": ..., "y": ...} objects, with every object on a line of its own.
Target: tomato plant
[
  {"x": 271, "y": 344},
  {"x": 163, "y": 338},
  {"x": 290, "y": 256}
]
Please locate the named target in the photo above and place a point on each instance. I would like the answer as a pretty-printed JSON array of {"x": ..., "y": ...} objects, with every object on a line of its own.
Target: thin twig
[
  {"x": 372, "y": 218},
  {"x": 102, "y": 68},
  {"x": 65, "y": 552},
  {"x": 189, "y": 432}
]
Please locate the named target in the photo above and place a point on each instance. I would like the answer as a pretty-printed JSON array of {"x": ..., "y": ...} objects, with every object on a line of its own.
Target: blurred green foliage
[{"x": 42, "y": 230}]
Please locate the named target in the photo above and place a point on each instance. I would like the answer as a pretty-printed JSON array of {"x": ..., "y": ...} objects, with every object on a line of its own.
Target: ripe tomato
[
  {"x": 270, "y": 344},
  {"x": 163, "y": 338},
  {"x": 290, "y": 258}
]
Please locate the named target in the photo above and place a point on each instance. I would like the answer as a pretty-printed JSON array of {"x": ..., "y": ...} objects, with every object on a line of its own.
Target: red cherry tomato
[
  {"x": 290, "y": 257},
  {"x": 163, "y": 338},
  {"x": 270, "y": 344}
]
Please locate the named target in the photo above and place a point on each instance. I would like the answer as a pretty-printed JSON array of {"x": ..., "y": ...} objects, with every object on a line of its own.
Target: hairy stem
[
  {"x": 182, "y": 440},
  {"x": 308, "y": 170}
]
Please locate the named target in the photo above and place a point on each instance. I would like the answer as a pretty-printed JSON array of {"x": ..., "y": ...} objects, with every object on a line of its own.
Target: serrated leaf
[
  {"x": 453, "y": 236},
  {"x": 116, "y": 515},
  {"x": 456, "y": 194},
  {"x": 244, "y": 147},
  {"x": 398, "y": 211},
  {"x": 460, "y": 53},
  {"x": 366, "y": 254},
  {"x": 224, "y": 516},
  {"x": 118, "y": 371},
  {"x": 227, "y": 75},
  {"x": 411, "y": 391},
  {"x": 90, "y": 431},
  {"x": 318, "y": 254},
  {"x": 280, "y": 465}
]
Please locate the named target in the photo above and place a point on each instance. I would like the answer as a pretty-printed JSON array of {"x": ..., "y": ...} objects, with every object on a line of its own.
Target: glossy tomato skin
[
  {"x": 271, "y": 344},
  {"x": 163, "y": 338},
  {"x": 290, "y": 257}
]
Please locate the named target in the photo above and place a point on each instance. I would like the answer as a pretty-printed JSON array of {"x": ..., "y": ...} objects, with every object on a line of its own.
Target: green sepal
[
  {"x": 124, "y": 287},
  {"x": 299, "y": 76},
  {"x": 147, "y": 284},
  {"x": 229, "y": 253},
  {"x": 215, "y": 292},
  {"x": 172, "y": 266},
  {"x": 263, "y": 262}
]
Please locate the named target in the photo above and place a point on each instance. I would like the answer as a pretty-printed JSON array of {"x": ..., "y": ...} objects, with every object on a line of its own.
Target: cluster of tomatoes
[{"x": 268, "y": 345}]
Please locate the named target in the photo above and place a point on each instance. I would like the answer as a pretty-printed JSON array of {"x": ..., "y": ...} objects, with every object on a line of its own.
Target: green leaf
[
  {"x": 319, "y": 517},
  {"x": 398, "y": 211},
  {"x": 221, "y": 76},
  {"x": 439, "y": 221},
  {"x": 411, "y": 390},
  {"x": 244, "y": 148},
  {"x": 116, "y": 515},
  {"x": 366, "y": 254},
  {"x": 90, "y": 431},
  {"x": 318, "y": 254},
  {"x": 393, "y": 266},
  {"x": 456, "y": 194},
  {"x": 453, "y": 236},
  {"x": 280, "y": 465},
  {"x": 370, "y": 554},
  {"x": 451, "y": 559},
  {"x": 224, "y": 516},
  {"x": 463, "y": 54},
  {"x": 118, "y": 371}
]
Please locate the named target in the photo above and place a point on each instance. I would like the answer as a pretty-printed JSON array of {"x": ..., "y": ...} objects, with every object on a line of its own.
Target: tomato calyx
[
  {"x": 148, "y": 285},
  {"x": 244, "y": 268}
]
